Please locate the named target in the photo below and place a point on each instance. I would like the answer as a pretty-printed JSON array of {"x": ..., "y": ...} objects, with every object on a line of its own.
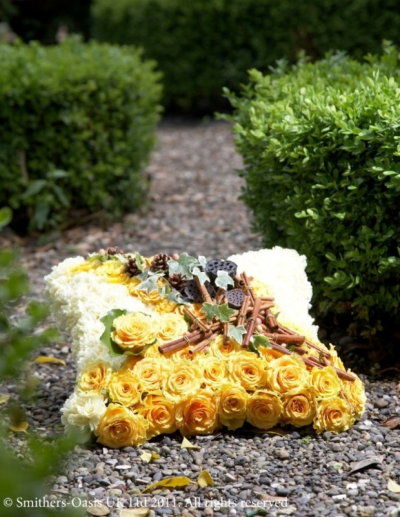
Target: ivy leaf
[
  {"x": 257, "y": 341},
  {"x": 225, "y": 313},
  {"x": 184, "y": 265},
  {"x": 210, "y": 310},
  {"x": 140, "y": 261},
  {"x": 107, "y": 321},
  {"x": 202, "y": 261},
  {"x": 223, "y": 280},
  {"x": 149, "y": 284},
  {"x": 237, "y": 333},
  {"x": 203, "y": 277}
]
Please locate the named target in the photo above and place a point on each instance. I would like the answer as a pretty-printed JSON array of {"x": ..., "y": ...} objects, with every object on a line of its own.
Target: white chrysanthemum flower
[{"x": 83, "y": 410}]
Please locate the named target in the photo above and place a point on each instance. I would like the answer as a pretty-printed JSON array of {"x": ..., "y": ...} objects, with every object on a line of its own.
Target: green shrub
[
  {"x": 321, "y": 149},
  {"x": 19, "y": 338},
  {"x": 76, "y": 123},
  {"x": 203, "y": 45}
]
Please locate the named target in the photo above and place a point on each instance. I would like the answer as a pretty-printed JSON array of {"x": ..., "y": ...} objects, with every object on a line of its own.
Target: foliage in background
[
  {"x": 41, "y": 20},
  {"x": 321, "y": 149},
  {"x": 203, "y": 45},
  {"x": 77, "y": 125},
  {"x": 18, "y": 340}
]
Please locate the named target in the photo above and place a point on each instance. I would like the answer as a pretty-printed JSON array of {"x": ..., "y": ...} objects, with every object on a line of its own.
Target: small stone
[
  {"x": 62, "y": 480},
  {"x": 282, "y": 454},
  {"x": 381, "y": 403}
]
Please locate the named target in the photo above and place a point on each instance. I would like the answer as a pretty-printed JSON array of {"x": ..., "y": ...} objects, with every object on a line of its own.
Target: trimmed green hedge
[
  {"x": 76, "y": 128},
  {"x": 321, "y": 149},
  {"x": 203, "y": 45}
]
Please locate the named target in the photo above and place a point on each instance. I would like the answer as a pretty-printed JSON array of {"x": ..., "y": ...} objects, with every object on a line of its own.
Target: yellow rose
[
  {"x": 218, "y": 349},
  {"x": 181, "y": 355},
  {"x": 336, "y": 361},
  {"x": 214, "y": 370},
  {"x": 333, "y": 415},
  {"x": 153, "y": 297},
  {"x": 164, "y": 306},
  {"x": 180, "y": 380},
  {"x": 195, "y": 308},
  {"x": 354, "y": 393},
  {"x": 299, "y": 408},
  {"x": 149, "y": 371},
  {"x": 94, "y": 377},
  {"x": 123, "y": 387},
  {"x": 269, "y": 354},
  {"x": 172, "y": 326},
  {"x": 247, "y": 370},
  {"x": 132, "y": 332},
  {"x": 325, "y": 382},
  {"x": 264, "y": 409},
  {"x": 120, "y": 427},
  {"x": 159, "y": 413},
  {"x": 89, "y": 265},
  {"x": 197, "y": 413},
  {"x": 232, "y": 405},
  {"x": 288, "y": 373},
  {"x": 113, "y": 271},
  {"x": 130, "y": 361}
]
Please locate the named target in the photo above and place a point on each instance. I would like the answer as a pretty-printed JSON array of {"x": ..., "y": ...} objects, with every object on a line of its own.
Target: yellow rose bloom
[
  {"x": 164, "y": 306},
  {"x": 221, "y": 351},
  {"x": 153, "y": 297},
  {"x": 180, "y": 380},
  {"x": 159, "y": 413},
  {"x": 247, "y": 370},
  {"x": 232, "y": 406},
  {"x": 94, "y": 377},
  {"x": 325, "y": 382},
  {"x": 149, "y": 371},
  {"x": 113, "y": 271},
  {"x": 172, "y": 326},
  {"x": 214, "y": 370},
  {"x": 354, "y": 393},
  {"x": 123, "y": 387},
  {"x": 195, "y": 308},
  {"x": 333, "y": 415},
  {"x": 89, "y": 265},
  {"x": 264, "y": 409},
  {"x": 132, "y": 332},
  {"x": 197, "y": 413},
  {"x": 299, "y": 408},
  {"x": 269, "y": 354},
  {"x": 336, "y": 361},
  {"x": 286, "y": 374},
  {"x": 120, "y": 427},
  {"x": 181, "y": 355}
]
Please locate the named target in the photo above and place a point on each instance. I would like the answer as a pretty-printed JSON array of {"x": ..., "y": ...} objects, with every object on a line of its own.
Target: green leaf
[
  {"x": 184, "y": 265},
  {"x": 202, "y": 261},
  {"x": 34, "y": 188},
  {"x": 150, "y": 280},
  {"x": 140, "y": 262},
  {"x": 107, "y": 321},
  {"x": 225, "y": 313},
  {"x": 5, "y": 216},
  {"x": 237, "y": 333},
  {"x": 257, "y": 341},
  {"x": 223, "y": 280},
  {"x": 203, "y": 277},
  {"x": 211, "y": 310}
]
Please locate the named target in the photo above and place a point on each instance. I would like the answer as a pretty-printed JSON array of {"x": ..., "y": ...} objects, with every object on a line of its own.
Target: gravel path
[{"x": 194, "y": 206}]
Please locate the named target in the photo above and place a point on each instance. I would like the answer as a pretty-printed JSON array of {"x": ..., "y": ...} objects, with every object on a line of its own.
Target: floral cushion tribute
[{"x": 166, "y": 343}]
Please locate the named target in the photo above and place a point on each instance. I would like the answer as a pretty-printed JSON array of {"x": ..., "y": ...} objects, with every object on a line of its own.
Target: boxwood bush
[
  {"x": 204, "y": 45},
  {"x": 321, "y": 149},
  {"x": 77, "y": 124}
]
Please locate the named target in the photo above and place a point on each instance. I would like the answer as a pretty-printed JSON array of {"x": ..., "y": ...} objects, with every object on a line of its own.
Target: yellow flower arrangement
[
  {"x": 171, "y": 326},
  {"x": 333, "y": 415},
  {"x": 124, "y": 387},
  {"x": 286, "y": 374},
  {"x": 354, "y": 394},
  {"x": 325, "y": 382},
  {"x": 150, "y": 373},
  {"x": 299, "y": 408},
  {"x": 232, "y": 407},
  {"x": 247, "y": 370},
  {"x": 181, "y": 380},
  {"x": 221, "y": 351},
  {"x": 264, "y": 409},
  {"x": 214, "y": 371},
  {"x": 113, "y": 271},
  {"x": 159, "y": 413}
]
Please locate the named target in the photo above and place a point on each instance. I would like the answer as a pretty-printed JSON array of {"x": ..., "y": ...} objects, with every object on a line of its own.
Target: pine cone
[
  {"x": 131, "y": 267},
  {"x": 160, "y": 263},
  {"x": 178, "y": 282},
  {"x": 114, "y": 251}
]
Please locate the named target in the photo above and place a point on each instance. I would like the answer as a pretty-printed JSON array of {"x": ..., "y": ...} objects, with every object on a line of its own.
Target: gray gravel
[{"x": 194, "y": 207}]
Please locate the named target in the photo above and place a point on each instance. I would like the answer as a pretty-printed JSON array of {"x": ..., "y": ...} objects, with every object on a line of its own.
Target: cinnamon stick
[
  {"x": 252, "y": 322},
  {"x": 203, "y": 290},
  {"x": 220, "y": 295},
  {"x": 271, "y": 320},
  {"x": 203, "y": 344},
  {"x": 199, "y": 323},
  {"x": 178, "y": 344},
  {"x": 288, "y": 339},
  {"x": 248, "y": 286},
  {"x": 285, "y": 330},
  {"x": 225, "y": 334},
  {"x": 243, "y": 310}
]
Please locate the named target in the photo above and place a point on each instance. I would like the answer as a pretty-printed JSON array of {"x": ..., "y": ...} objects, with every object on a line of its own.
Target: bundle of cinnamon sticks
[{"x": 256, "y": 316}]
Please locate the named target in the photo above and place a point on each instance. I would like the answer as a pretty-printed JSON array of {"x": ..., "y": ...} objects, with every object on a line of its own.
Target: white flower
[{"x": 83, "y": 410}]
